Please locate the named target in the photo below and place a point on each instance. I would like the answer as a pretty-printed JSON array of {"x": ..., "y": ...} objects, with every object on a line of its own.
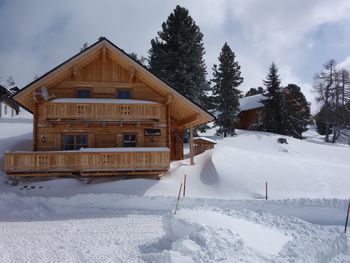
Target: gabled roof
[
  {"x": 195, "y": 114},
  {"x": 251, "y": 102},
  {"x": 5, "y": 97}
]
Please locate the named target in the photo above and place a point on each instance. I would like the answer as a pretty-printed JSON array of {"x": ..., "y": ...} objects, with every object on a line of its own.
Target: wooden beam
[
  {"x": 191, "y": 145},
  {"x": 104, "y": 64},
  {"x": 100, "y": 84},
  {"x": 76, "y": 72},
  {"x": 132, "y": 74},
  {"x": 188, "y": 120},
  {"x": 167, "y": 100}
]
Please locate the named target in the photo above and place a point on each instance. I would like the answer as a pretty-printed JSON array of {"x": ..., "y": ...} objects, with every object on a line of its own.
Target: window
[
  {"x": 123, "y": 94},
  {"x": 83, "y": 93},
  {"x": 74, "y": 142},
  {"x": 129, "y": 140}
]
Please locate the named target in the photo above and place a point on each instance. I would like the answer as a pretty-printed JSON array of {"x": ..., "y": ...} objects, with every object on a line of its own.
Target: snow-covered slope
[{"x": 223, "y": 217}]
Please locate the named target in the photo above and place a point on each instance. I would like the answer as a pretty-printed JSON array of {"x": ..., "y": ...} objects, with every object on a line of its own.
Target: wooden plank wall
[{"x": 104, "y": 77}]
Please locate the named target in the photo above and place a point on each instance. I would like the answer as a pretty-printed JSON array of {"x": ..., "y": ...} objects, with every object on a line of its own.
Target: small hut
[{"x": 201, "y": 144}]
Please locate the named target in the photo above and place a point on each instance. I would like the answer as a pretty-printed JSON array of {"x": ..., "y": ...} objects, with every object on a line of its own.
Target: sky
[{"x": 298, "y": 35}]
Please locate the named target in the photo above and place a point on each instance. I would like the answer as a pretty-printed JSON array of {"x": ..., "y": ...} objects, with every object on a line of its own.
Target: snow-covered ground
[{"x": 223, "y": 218}]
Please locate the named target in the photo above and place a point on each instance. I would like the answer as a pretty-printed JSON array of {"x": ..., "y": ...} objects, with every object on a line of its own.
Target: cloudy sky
[{"x": 298, "y": 35}]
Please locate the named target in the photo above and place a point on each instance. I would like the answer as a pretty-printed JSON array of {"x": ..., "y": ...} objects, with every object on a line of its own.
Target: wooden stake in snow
[
  {"x": 266, "y": 190},
  {"x": 178, "y": 198},
  {"x": 347, "y": 217},
  {"x": 184, "y": 186}
]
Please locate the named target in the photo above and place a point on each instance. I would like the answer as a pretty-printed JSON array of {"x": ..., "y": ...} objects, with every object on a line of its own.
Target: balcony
[
  {"x": 101, "y": 110},
  {"x": 88, "y": 162}
]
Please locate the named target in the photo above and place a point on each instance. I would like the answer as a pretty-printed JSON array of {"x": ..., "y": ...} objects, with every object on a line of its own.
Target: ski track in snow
[{"x": 223, "y": 217}]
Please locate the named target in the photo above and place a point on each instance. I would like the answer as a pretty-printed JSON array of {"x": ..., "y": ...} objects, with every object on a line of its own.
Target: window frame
[
  {"x": 75, "y": 141},
  {"x": 130, "y": 142},
  {"x": 124, "y": 89},
  {"x": 77, "y": 89}
]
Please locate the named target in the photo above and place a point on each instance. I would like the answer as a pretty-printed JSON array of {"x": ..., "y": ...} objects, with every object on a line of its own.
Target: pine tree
[
  {"x": 272, "y": 115},
  {"x": 176, "y": 56},
  {"x": 227, "y": 77},
  {"x": 295, "y": 111}
]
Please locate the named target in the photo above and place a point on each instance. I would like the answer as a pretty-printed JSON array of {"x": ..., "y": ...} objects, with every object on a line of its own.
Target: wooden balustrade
[
  {"x": 31, "y": 163},
  {"x": 103, "y": 111}
]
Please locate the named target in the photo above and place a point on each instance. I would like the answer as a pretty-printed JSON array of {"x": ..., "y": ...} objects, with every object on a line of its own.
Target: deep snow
[{"x": 223, "y": 217}]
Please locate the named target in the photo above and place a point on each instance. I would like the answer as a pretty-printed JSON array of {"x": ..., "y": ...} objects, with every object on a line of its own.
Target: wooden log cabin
[{"x": 102, "y": 113}]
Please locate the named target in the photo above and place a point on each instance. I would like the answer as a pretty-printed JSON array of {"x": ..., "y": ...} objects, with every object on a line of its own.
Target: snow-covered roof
[
  {"x": 205, "y": 139},
  {"x": 107, "y": 101},
  {"x": 251, "y": 102},
  {"x": 126, "y": 149}
]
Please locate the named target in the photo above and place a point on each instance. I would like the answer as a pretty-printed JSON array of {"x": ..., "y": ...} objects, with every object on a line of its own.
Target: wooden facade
[
  {"x": 201, "y": 144},
  {"x": 251, "y": 112},
  {"x": 104, "y": 101},
  {"x": 249, "y": 119}
]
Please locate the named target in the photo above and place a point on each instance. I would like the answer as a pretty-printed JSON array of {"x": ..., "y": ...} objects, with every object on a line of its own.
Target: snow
[
  {"x": 205, "y": 139},
  {"x": 224, "y": 216},
  {"x": 107, "y": 101},
  {"x": 253, "y": 234},
  {"x": 126, "y": 149},
  {"x": 251, "y": 102}
]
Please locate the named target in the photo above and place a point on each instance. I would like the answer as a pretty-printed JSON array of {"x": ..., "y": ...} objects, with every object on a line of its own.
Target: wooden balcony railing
[
  {"x": 101, "y": 112},
  {"x": 122, "y": 160}
]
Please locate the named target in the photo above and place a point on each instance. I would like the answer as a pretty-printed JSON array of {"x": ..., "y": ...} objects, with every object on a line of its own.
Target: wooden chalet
[
  {"x": 201, "y": 144},
  {"x": 8, "y": 107},
  {"x": 251, "y": 112},
  {"x": 102, "y": 113}
]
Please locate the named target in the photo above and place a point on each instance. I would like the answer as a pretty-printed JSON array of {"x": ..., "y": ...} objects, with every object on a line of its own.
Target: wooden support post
[
  {"x": 168, "y": 126},
  {"x": 191, "y": 144},
  {"x": 35, "y": 124}
]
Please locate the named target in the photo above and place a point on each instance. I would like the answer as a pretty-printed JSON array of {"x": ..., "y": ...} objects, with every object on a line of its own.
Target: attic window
[
  {"x": 123, "y": 94},
  {"x": 83, "y": 93}
]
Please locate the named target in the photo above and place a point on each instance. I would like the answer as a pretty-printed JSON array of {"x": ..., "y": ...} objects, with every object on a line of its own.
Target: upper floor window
[
  {"x": 83, "y": 93},
  {"x": 123, "y": 94}
]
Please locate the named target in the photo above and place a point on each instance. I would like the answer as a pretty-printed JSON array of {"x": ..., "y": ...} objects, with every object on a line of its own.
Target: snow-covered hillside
[{"x": 224, "y": 216}]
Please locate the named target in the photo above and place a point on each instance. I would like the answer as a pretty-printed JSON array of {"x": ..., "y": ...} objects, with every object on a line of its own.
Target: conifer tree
[
  {"x": 295, "y": 111},
  {"x": 176, "y": 56},
  {"x": 272, "y": 115},
  {"x": 227, "y": 78}
]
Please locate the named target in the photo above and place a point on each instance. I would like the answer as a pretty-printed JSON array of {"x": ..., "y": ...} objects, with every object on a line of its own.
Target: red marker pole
[
  {"x": 184, "y": 186},
  {"x": 347, "y": 217},
  {"x": 178, "y": 198},
  {"x": 266, "y": 190}
]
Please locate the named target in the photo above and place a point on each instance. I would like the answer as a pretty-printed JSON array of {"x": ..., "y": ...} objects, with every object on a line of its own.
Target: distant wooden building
[
  {"x": 251, "y": 112},
  {"x": 8, "y": 107},
  {"x": 103, "y": 113},
  {"x": 201, "y": 144}
]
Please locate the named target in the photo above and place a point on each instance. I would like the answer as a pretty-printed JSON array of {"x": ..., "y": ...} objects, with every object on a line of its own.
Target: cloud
[
  {"x": 345, "y": 64},
  {"x": 38, "y": 35}
]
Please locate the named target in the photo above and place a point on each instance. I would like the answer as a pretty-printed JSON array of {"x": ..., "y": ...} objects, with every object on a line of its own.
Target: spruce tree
[
  {"x": 295, "y": 111},
  {"x": 176, "y": 56},
  {"x": 272, "y": 115},
  {"x": 227, "y": 77}
]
